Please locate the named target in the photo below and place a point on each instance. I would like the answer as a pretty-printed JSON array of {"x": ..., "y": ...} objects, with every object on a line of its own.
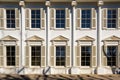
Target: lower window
[
  {"x": 85, "y": 55},
  {"x": 111, "y": 55},
  {"x": 60, "y": 55},
  {"x": 10, "y": 53},
  {"x": 35, "y": 55}
]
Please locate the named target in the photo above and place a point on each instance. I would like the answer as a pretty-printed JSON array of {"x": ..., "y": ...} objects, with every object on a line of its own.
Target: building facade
[{"x": 59, "y": 36}]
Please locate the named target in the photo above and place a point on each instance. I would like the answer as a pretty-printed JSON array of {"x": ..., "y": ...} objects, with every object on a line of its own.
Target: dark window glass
[
  {"x": 60, "y": 55},
  {"x": 35, "y": 18},
  {"x": 112, "y": 15},
  {"x": 36, "y": 55},
  {"x": 10, "y": 14},
  {"x": 111, "y": 55},
  {"x": 85, "y": 55},
  {"x": 60, "y": 18},
  {"x": 10, "y": 52},
  {"x": 86, "y": 18}
]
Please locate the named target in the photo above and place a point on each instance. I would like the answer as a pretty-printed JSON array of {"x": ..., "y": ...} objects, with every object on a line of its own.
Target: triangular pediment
[
  {"x": 60, "y": 38},
  {"x": 112, "y": 38},
  {"x": 86, "y": 38},
  {"x": 35, "y": 38},
  {"x": 8, "y": 38}
]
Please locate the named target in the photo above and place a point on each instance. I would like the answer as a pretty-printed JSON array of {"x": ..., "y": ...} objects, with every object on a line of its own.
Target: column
[
  {"x": 99, "y": 36},
  {"x": 22, "y": 36},
  {"x": 74, "y": 70},
  {"x": 74, "y": 3},
  {"x": 47, "y": 71}
]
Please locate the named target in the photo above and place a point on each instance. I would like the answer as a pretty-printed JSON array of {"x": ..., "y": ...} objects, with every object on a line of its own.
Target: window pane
[
  {"x": 10, "y": 52},
  {"x": 60, "y": 18},
  {"x": 111, "y": 55},
  {"x": 85, "y": 55},
  {"x": 10, "y": 14},
  {"x": 86, "y": 18},
  {"x": 60, "y": 55},
  {"x": 36, "y": 55},
  {"x": 35, "y": 18},
  {"x": 111, "y": 18}
]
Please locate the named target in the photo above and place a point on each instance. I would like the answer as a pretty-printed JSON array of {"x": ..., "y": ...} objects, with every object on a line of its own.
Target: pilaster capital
[
  {"x": 47, "y": 3},
  {"x": 22, "y": 3},
  {"x": 74, "y": 3},
  {"x": 100, "y": 3}
]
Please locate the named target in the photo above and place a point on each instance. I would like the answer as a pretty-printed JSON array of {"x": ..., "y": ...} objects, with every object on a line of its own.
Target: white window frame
[
  {"x": 90, "y": 18},
  {"x": 55, "y": 19},
  {"x": 116, "y": 17},
  {"x": 31, "y": 19},
  {"x": 6, "y": 19}
]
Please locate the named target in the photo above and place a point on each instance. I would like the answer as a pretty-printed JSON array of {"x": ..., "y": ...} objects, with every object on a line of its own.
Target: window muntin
[
  {"x": 35, "y": 55},
  {"x": 86, "y": 18},
  {"x": 111, "y": 55},
  {"x": 35, "y": 19},
  {"x": 60, "y": 55},
  {"x": 10, "y": 15},
  {"x": 111, "y": 18},
  {"x": 60, "y": 18},
  {"x": 10, "y": 53},
  {"x": 85, "y": 55}
]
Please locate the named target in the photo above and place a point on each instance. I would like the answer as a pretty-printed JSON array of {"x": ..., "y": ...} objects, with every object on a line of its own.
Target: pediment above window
[
  {"x": 8, "y": 38},
  {"x": 35, "y": 38},
  {"x": 86, "y": 38},
  {"x": 60, "y": 38},
  {"x": 112, "y": 38}
]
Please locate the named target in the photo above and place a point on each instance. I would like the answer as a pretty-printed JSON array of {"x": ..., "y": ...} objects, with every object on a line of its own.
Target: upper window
[
  {"x": 10, "y": 14},
  {"x": 85, "y": 55},
  {"x": 86, "y": 18},
  {"x": 10, "y": 53},
  {"x": 111, "y": 55},
  {"x": 111, "y": 18},
  {"x": 35, "y": 19},
  {"x": 60, "y": 55},
  {"x": 36, "y": 55},
  {"x": 60, "y": 18}
]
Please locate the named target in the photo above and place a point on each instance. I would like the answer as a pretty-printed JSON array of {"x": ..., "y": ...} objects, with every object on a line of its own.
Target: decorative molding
[
  {"x": 21, "y": 3},
  {"x": 112, "y": 38},
  {"x": 8, "y": 38},
  {"x": 74, "y": 3},
  {"x": 100, "y": 3},
  {"x": 47, "y": 3},
  {"x": 35, "y": 38},
  {"x": 60, "y": 38},
  {"x": 86, "y": 38}
]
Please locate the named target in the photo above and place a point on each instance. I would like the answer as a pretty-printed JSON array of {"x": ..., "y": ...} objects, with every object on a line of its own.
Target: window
[
  {"x": 85, "y": 55},
  {"x": 10, "y": 14},
  {"x": 35, "y": 18},
  {"x": 60, "y": 55},
  {"x": 111, "y": 55},
  {"x": 35, "y": 55},
  {"x": 60, "y": 18},
  {"x": 111, "y": 18},
  {"x": 10, "y": 53},
  {"x": 86, "y": 18}
]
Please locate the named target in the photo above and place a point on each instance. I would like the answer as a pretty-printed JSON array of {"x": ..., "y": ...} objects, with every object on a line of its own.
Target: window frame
[
  {"x": 62, "y": 19},
  {"x": 82, "y": 18},
  {"x": 10, "y": 18},
  {"x": 64, "y": 54},
  {"x": 89, "y": 56},
  {"x": 31, "y": 56},
  {"x": 115, "y": 56},
  {"x": 5, "y": 49},
  {"x": 115, "y": 19},
  {"x": 34, "y": 18}
]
